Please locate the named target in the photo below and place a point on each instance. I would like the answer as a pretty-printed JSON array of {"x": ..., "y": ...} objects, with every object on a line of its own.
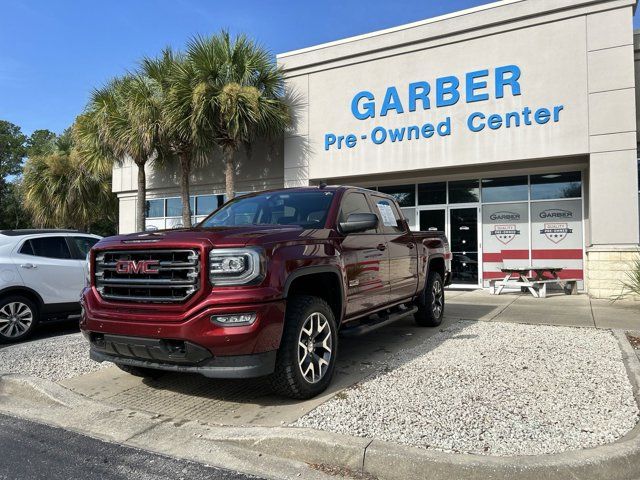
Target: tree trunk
[
  {"x": 185, "y": 172},
  {"x": 141, "y": 203},
  {"x": 229, "y": 172}
]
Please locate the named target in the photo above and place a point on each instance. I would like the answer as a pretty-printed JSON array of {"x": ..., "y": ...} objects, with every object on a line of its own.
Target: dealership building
[{"x": 513, "y": 127}]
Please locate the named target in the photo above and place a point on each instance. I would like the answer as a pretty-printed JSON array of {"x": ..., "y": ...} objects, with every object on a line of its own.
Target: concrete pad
[
  {"x": 242, "y": 402},
  {"x": 623, "y": 315}
]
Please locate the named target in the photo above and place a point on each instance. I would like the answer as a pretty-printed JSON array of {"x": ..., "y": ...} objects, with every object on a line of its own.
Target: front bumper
[{"x": 178, "y": 356}]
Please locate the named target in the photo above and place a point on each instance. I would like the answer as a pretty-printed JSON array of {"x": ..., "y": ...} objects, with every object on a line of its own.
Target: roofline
[{"x": 419, "y": 23}]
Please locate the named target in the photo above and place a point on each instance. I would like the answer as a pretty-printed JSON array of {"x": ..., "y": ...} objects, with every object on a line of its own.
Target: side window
[
  {"x": 27, "y": 248},
  {"x": 389, "y": 215},
  {"x": 49, "y": 247},
  {"x": 354, "y": 203},
  {"x": 83, "y": 244}
]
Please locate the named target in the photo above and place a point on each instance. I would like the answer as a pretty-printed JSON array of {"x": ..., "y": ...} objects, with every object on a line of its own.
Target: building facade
[{"x": 512, "y": 127}]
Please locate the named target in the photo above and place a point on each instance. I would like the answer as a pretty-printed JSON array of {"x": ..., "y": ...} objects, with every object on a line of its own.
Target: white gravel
[
  {"x": 54, "y": 358},
  {"x": 493, "y": 389}
]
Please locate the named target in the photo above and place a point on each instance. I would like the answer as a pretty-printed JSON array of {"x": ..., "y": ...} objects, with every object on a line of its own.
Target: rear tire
[
  {"x": 431, "y": 302},
  {"x": 139, "y": 371},
  {"x": 18, "y": 318},
  {"x": 307, "y": 355}
]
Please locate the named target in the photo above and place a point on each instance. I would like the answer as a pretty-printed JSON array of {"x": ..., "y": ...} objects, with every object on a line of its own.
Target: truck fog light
[{"x": 234, "y": 319}]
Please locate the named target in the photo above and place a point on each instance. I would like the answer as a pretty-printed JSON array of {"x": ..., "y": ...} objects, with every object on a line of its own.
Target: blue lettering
[
  {"x": 413, "y": 132},
  {"x": 350, "y": 141},
  {"x": 419, "y": 91},
  {"x": 476, "y": 127},
  {"x": 369, "y": 107},
  {"x": 329, "y": 139},
  {"x": 474, "y": 84},
  {"x": 444, "y": 128},
  {"x": 494, "y": 122},
  {"x": 397, "y": 134},
  {"x": 378, "y": 135},
  {"x": 391, "y": 102},
  {"x": 427, "y": 130},
  {"x": 508, "y": 75},
  {"x": 447, "y": 91},
  {"x": 556, "y": 113},
  {"x": 515, "y": 116},
  {"x": 542, "y": 116}
]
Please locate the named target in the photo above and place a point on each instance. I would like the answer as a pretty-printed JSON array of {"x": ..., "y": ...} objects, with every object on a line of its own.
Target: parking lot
[{"x": 251, "y": 402}]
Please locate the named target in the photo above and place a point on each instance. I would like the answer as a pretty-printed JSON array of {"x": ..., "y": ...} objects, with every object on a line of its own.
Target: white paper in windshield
[{"x": 388, "y": 218}]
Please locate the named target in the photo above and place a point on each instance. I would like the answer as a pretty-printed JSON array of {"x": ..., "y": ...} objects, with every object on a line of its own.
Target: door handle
[
  {"x": 28, "y": 265},
  {"x": 382, "y": 247}
]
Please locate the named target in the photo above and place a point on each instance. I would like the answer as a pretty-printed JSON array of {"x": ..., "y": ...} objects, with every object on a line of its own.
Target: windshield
[{"x": 306, "y": 209}]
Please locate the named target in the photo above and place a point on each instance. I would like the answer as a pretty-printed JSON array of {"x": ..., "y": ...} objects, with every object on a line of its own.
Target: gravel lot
[
  {"x": 493, "y": 389},
  {"x": 52, "y": 358}
]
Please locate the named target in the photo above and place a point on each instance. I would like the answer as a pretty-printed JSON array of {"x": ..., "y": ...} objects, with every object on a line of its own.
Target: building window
[
  {"x": 166, "y": 213},
  {"x": 554, "y": 186},
  {"x": 205, "y": 204},
  {"x": 508, "y": 189},
  {"x": 155, "y": 208},
  {"x": 465, "y": 191},
  {"x": 405, "y": 195},
  {"x": 432, "y": 193}
]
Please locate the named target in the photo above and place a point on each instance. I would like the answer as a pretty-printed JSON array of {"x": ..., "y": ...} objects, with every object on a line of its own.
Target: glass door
[
  {"x": 463, "y": 236},
  {"x": 433, "y": 220}
]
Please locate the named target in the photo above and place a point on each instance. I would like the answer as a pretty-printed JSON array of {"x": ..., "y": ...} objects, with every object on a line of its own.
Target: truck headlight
[{"x": 234, "y": 266}]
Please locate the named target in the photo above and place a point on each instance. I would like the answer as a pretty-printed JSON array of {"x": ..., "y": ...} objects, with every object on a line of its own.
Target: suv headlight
[{"x": 235, "y": 266}]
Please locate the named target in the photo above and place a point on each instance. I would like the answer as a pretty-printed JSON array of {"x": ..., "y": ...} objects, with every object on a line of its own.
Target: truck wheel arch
[{"x": 300, "y": 281}]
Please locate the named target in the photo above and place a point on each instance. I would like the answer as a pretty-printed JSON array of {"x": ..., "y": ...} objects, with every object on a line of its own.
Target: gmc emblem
[{"x": 141, "y": 266}]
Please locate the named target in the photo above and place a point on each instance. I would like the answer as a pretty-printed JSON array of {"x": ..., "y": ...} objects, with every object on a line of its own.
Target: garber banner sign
[{"x": 445, "y": 92}]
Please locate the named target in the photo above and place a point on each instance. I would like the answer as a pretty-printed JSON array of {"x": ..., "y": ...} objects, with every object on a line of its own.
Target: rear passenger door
[
  {"x": 47, "y": 266},
  {"x": 403, "y": 261},
  {"x": 365, "y": 258}
]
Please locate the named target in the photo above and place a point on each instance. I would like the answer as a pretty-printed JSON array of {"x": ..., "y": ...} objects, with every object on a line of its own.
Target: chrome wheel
[
  {"x": 15, "y": 319},
  {"x": 437, "y": 296},
  {"x": 315, "y": 347}
]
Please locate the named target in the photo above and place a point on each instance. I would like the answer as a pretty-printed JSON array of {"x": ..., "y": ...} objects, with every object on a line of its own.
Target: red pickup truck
[{"x": 264, "y": 286}]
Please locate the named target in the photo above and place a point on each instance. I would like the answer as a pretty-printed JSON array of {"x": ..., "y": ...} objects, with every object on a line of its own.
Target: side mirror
[{"x": 359, "y": 222}]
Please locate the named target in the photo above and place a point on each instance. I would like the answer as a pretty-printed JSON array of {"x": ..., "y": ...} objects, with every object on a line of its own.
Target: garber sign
[{"x": 445, "y": 92}]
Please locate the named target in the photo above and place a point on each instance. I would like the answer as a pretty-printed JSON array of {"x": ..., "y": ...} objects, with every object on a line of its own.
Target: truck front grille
[{"x": 147, "y": 276}]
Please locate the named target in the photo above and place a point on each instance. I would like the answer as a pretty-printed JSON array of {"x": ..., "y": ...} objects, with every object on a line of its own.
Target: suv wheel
[
  {"x": 431, "y": 302},
  {"x": 18, "y": 318},
  {"x": 307, "y": 355},
  {"x": 139, "y": 371}
]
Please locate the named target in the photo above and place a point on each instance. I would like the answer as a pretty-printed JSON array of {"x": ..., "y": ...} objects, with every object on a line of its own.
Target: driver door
[{"x": 366, "y": 260}]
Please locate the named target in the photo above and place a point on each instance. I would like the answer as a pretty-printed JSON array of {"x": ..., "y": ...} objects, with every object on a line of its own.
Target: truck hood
[{"x": 217, "y": 236}]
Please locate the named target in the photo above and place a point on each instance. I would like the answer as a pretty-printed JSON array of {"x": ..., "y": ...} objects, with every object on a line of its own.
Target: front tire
[
  {"x": 307, "y": 356},
  {"x": 18, "y": 318},
  {"x": 431, "y": 302}
]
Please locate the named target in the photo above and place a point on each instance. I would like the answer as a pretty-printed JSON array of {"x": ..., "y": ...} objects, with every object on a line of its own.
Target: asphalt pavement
[{"x": 34, "y": 451}]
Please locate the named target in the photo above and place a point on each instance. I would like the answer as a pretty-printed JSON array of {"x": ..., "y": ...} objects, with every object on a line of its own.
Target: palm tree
[
  {"x": 181, "y": 139},
  {"x": 59, "y": 192},
  {"x": 123, "y": 121},
  {"x": 237, "y": 95}
]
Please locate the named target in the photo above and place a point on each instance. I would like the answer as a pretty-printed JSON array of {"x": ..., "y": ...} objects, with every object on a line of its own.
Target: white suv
[{"x": 42, "y": 273}]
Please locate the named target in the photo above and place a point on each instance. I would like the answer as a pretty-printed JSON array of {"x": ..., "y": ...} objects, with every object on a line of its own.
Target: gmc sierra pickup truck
[{"x": 265, "y": 285}]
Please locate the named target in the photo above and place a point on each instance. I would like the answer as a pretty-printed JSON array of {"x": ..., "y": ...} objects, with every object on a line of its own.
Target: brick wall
[{"x": 606, "y": 269}]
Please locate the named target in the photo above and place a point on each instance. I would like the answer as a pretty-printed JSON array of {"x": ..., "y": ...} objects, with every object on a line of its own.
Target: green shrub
[{"x": 631, "y": 283}]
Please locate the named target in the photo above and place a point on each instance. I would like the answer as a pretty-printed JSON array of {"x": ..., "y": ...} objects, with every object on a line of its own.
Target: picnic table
[{"x": 532, "y": 278}]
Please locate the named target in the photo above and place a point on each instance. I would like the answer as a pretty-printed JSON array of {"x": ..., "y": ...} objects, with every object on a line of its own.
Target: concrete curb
[{"x": 284, "y": 452}]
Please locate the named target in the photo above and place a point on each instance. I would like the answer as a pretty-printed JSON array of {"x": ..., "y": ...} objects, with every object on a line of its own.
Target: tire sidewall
[
  {"x": 425, "y": 315},
  {"x": 34, "y": 312},
  {"x": 316, "y": 305}
]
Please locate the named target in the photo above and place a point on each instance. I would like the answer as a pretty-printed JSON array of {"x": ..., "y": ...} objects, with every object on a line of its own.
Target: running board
[{"x": 365, "y": 328}]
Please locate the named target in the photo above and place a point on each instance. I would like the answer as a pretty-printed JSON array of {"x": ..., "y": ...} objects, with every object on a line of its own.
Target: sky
[{"x": 54, "y": 53}]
